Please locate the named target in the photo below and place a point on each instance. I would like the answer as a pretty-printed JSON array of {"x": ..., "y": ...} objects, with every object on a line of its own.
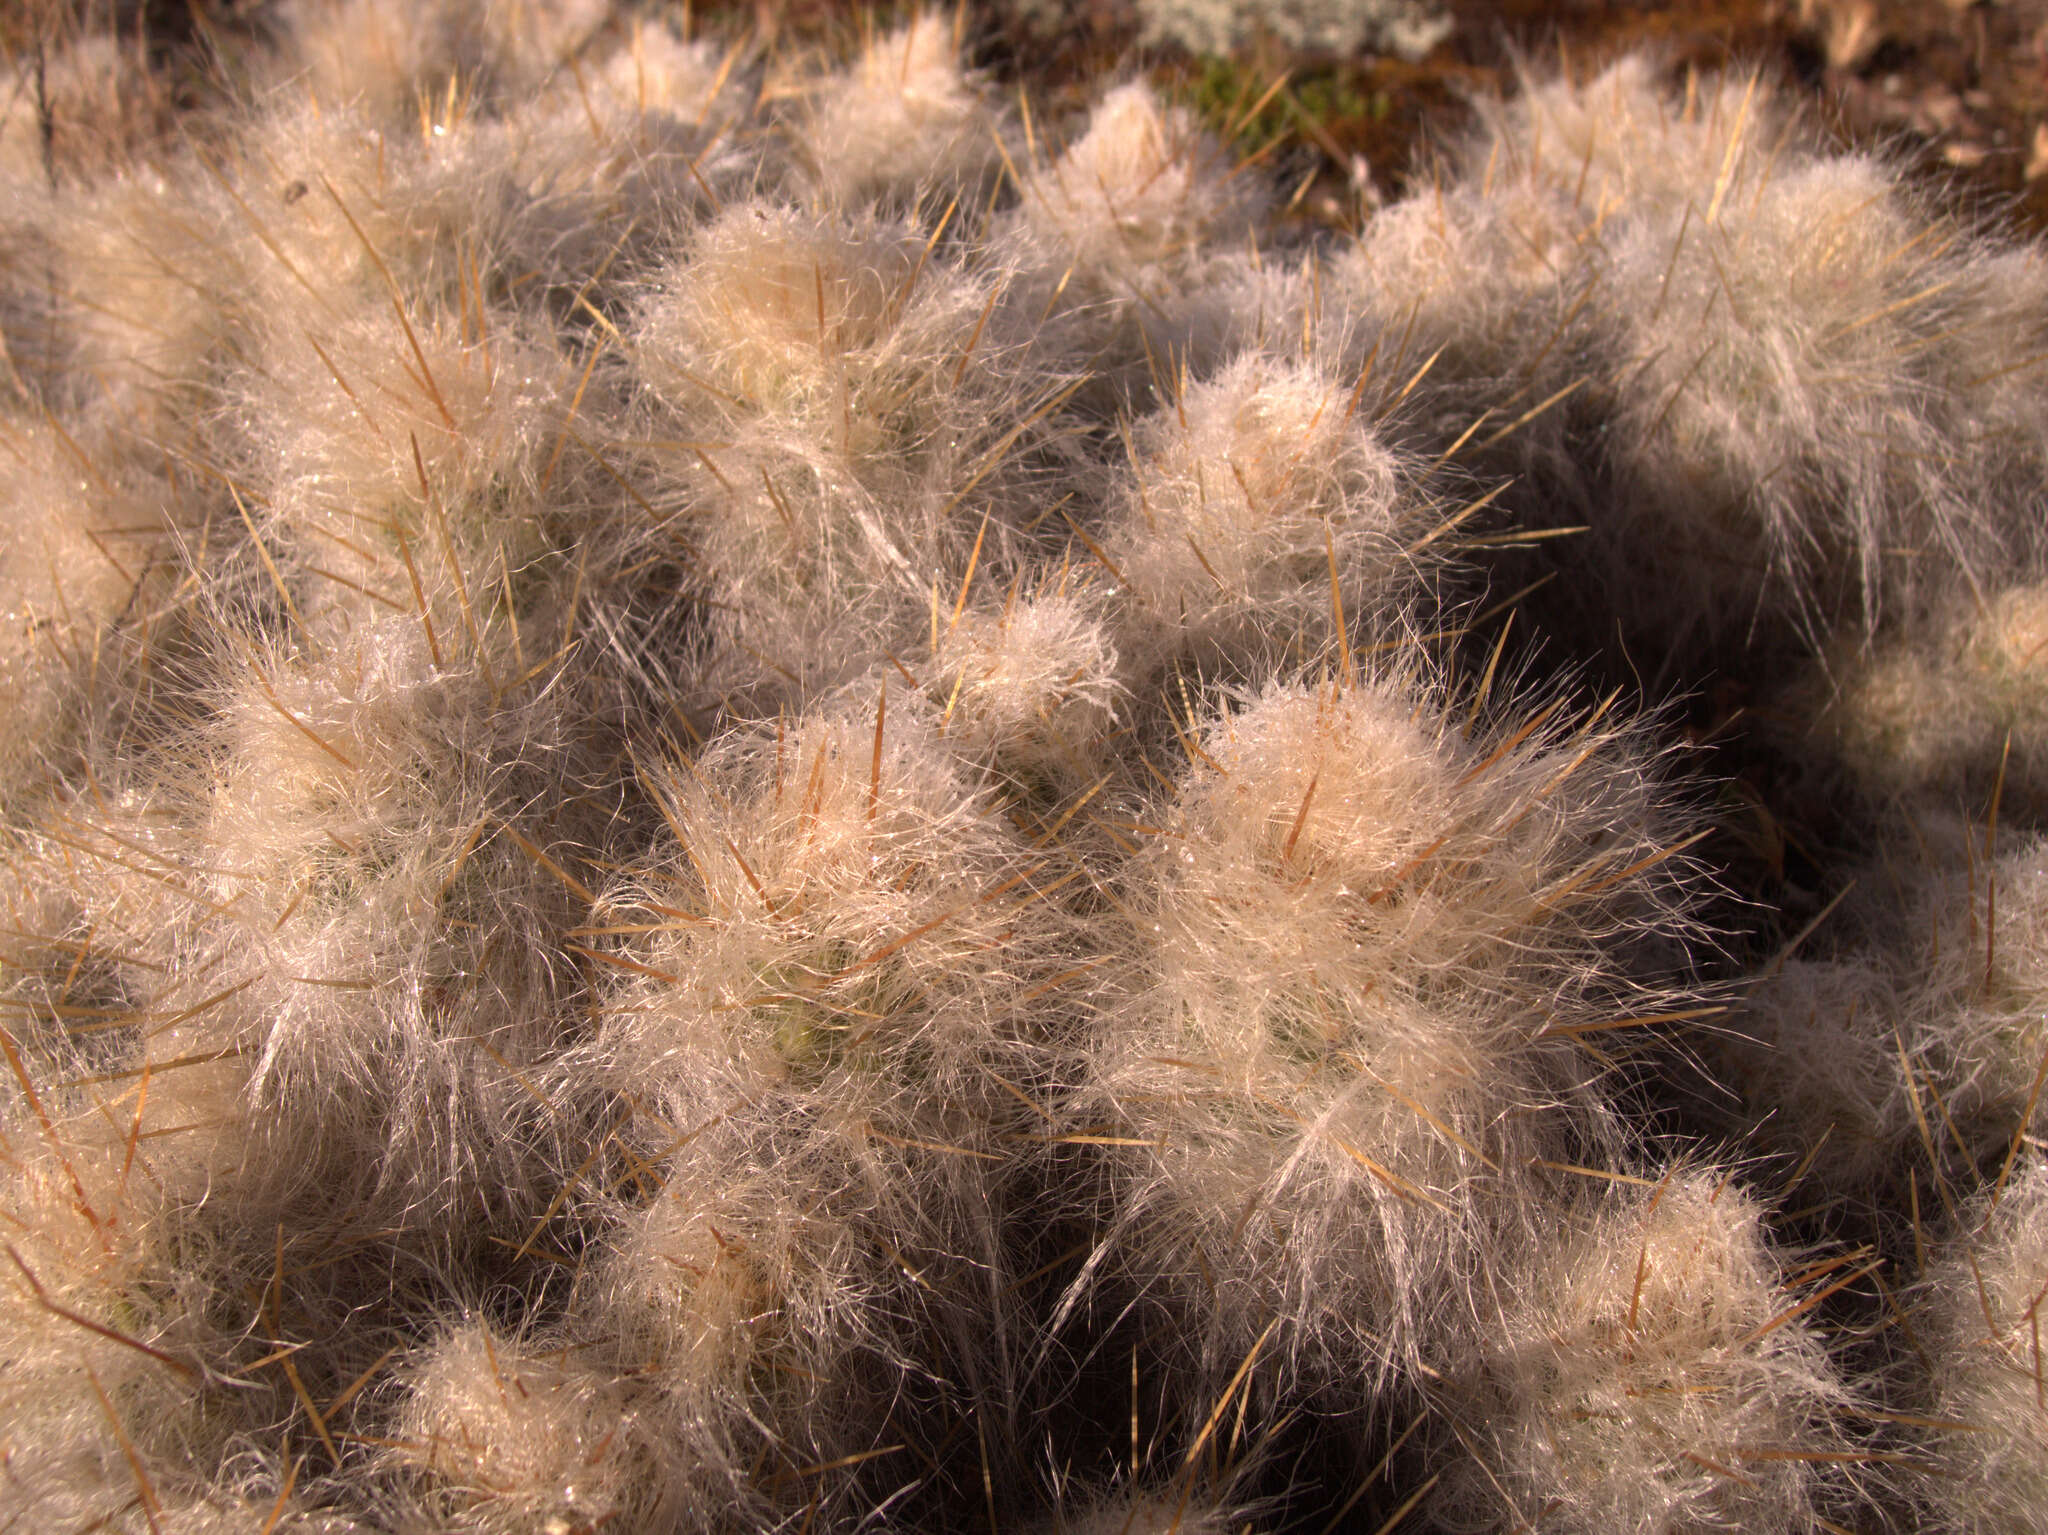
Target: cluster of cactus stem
[{"x": 744, "y": 791}]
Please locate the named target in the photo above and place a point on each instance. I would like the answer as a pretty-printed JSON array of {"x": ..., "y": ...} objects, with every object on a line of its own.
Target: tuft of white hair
[
  {"x": 1364, "y": 944},
  {"x": 1645, "y": 1370}
]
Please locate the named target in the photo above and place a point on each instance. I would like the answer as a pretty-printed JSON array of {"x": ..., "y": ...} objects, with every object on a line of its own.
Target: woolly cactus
[
  {"x": 823, "y": 1034},
  {"x": 1808, "y": 295},
  {"x": 385, "y": 56},
  {"x": 1815, "y": 1054},
  {"x": 112, "y": 1327},
  {"x": 1651, "y": 1371},
  {"x": 1955, "y": 705},
  {"x": 75, "y": 552},
  {"x": 907, "y": 120},
  {"x": 1368, "y": 948},
  {"x": 1989, "y": 1441},
  {"x": 1122, "y": 232},
  {"x": 508, "y": 1437},
  {"x": 1743, "y": 359},
  {"x": 1142, "y": 1515},
  {"x": 1032, "y": 687},
  {"x": 1468, "y": 286},
  {"x": 1257, "y": 515},
  {"x": 748, "y": 789},
  {"x": 844, "y": 387}
]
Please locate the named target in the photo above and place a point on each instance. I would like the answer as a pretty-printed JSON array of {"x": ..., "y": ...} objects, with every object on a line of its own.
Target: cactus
[{"x": 746, "y": 789}]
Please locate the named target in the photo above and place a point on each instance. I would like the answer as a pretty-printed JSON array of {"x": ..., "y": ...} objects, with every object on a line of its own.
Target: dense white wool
[
  {"x": 1499, "y": 272},
  {"x": 112, "y": 1329},
  {"x": 814, "y": 1034},
  {"x": 1643, "y": 1372},
  {"x": 84, "y": 938},
  {"x": 384, "y": 56},
  {"x": 655, "y": 69},
  {"x": 904, "y": 120},
  {"x": 1365, "y": 942},
  {"x": 1486, "y": 299},
  {"x": 1814, "y": 1054},
  {"x": 1902, "y": 719},
  {"x": 388, "y": 469},
  {"x": 94, "y": 898},
  {"x": 574, "y": 177},
  {"x": 107, "y": 1327},
  {"x": 1249, "y": 300},
  {"x": 841, "y": 413},
  {"x": 1774, "y": 345},
  {"x": 1455, "y": 262},
  {"x": 772, "y": 309},
  {"x": 1136, "y": 199},
  {"x": 1778, "y": 425},
  {"x": 33, "y": 345},
  {"x": 1252, "y": 507},
  {"x": 152, "y": 1194},
  {"x": 79, "y": 535},
  {"x": 111, "y": 289},
  {"x": 1979, "y": 969},
  {"x": 2011, "y": 638},
  {"x": 148, "y": 283},
  {"x": 503, "y": 1434},
  {"x": 388, "y": 939},
  {"x": 46, "y": 914},
  {"x": 1625, "y": 142},
  {"x": 841, "y": 936},
  {"x": 345, "y": 423},
  {"x": 1994, "y": 369},
  {"x": 1031, "y": 687},
  {"x": 774, "y": 1303},
  {"x": 1125, "y": 227},
  {"x": 1979, "y": 1326},
  {"x": 1482, "y": 297},
  {"x": 332, "y": 210},
  {"x": 1923, "y": 1034},
  {"x": 102, "y": 104},
  {"x": 223, "y": 1512},
  {"x": 111, "y": 1162},
  {"x": 1956, "y": 706},
  {"x": 609, "y": 161}
]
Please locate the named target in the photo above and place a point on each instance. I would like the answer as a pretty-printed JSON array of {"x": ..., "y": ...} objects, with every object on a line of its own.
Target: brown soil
[{"x": 1960, "y": 88}]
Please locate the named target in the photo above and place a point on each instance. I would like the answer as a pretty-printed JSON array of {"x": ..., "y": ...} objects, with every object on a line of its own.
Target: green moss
[{"x": 1223, "y": 92}]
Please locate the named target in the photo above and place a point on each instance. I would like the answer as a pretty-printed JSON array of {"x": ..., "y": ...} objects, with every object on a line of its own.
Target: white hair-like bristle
[
  {"x": 1644, "y": 1372},
  {"x": 1255, "y": 510},
  {"x": 824, "y": 1039},
  {"x": 1032, "y": 687},
  {"x": 382, "y": 57},
  {"x": 1954, "y": 706},
  {"x": 1985, "y": 1433},
  {"x": 80, "y": 532},
  {"x": 905, "y": 120},
  {"x": 840, "y": 392},
  {"x": 1364, "y": 943},
  {"x": 506, "y": 1436},
  {"x": 814, "y": 778},
  {"x": 1122, "y": 231}
]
